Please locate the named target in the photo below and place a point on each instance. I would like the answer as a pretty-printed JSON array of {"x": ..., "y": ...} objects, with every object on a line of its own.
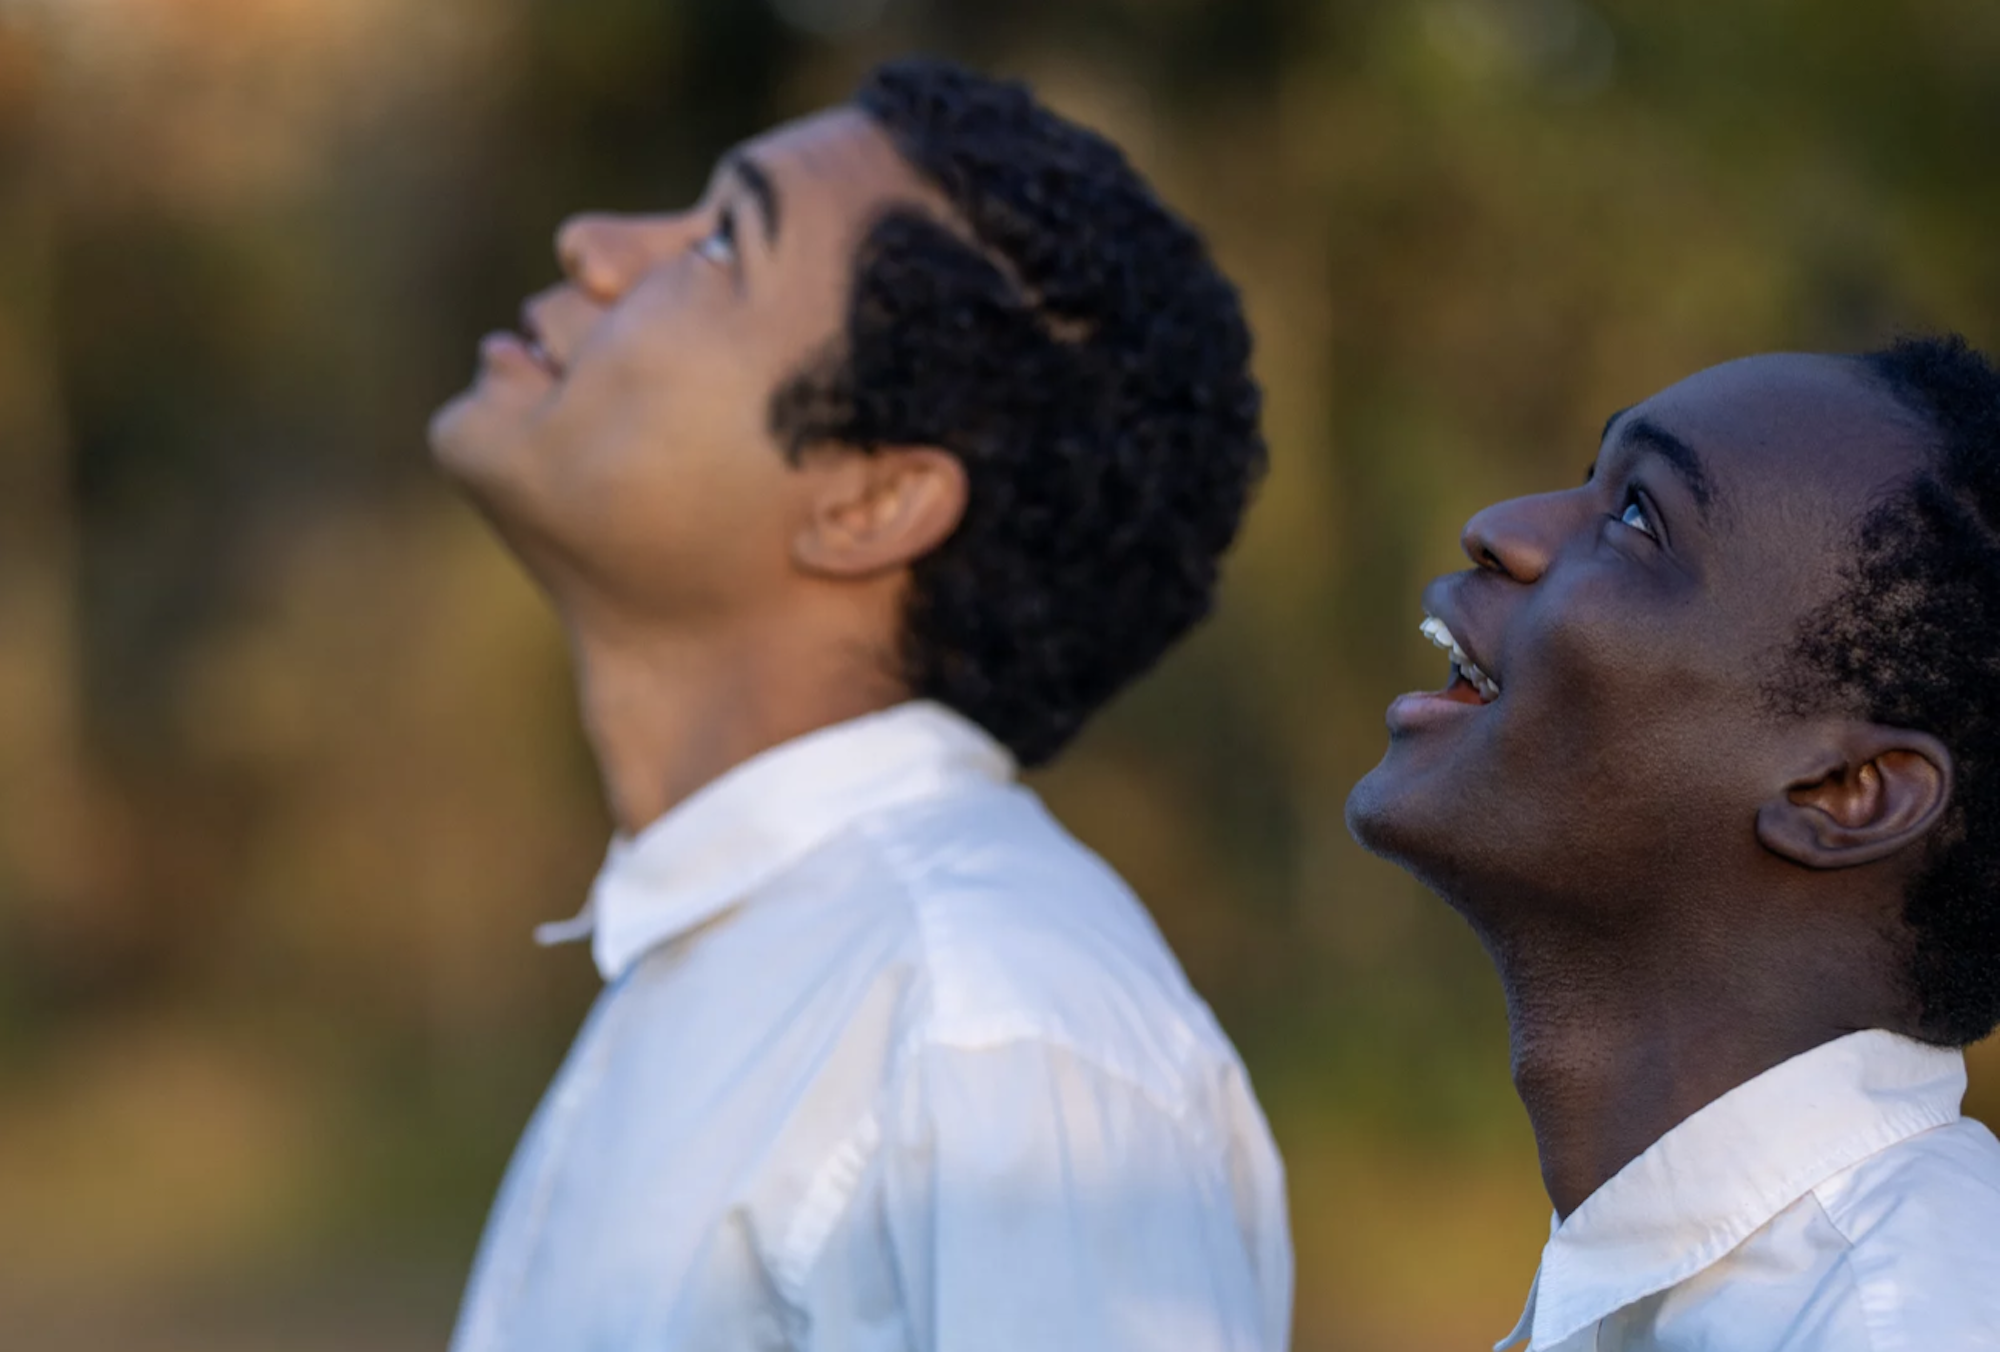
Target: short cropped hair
[
  {"x": 1914, "y": 642},
  {"x": 1075, "y": 347}
]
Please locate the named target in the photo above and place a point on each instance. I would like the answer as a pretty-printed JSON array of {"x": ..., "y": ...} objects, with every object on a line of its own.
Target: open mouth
[
  {"x": 1469, "y": 685},
  {"x": 541, "y": 356},
  {"x": 506, "y": 346}
]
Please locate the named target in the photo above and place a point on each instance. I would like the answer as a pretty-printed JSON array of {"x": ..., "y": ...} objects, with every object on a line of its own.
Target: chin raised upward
[
  {"x": 1716, "y": 779},
  {"x": 857, "y": 485}
]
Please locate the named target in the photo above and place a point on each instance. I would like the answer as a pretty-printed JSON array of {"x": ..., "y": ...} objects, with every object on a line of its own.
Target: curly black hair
[
  {"x": 1073, "y": 344},
  {"x": 1913, "y": 641}
]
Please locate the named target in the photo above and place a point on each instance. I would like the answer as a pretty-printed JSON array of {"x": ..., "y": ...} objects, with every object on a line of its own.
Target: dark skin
[{"x": 1680, "y": 887}]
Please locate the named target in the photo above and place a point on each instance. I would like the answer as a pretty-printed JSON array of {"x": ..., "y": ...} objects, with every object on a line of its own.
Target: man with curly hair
[
  {"x": 857, "y": 485},
  {"x": 1716, "y": 780}
]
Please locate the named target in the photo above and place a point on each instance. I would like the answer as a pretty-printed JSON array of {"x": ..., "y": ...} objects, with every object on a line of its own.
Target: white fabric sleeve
[{"x": 1024, "y": 1199}]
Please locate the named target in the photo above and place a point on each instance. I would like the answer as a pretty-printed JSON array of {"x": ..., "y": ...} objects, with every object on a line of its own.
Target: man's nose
[
  {"x": 606, "y": 254},
  {"x": 1520, "y": 537}
]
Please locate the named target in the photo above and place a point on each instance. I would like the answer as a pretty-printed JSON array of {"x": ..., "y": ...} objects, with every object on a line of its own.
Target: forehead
[
  {"x": 1789, "y": 434},
  {"x": 836, "y": 170}
]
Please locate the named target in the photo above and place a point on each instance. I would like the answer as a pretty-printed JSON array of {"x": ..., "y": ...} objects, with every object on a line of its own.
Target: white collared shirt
[
  {"x": 1835, "y": 1203},
  {"x": 886, "y": 1061}
]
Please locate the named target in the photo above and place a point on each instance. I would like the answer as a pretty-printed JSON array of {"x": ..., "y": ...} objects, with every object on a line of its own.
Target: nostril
[
  {"x": 1516, "y": 538},
  {"x": 598, "y": 276},
  {"x": 586, "y": 251}
]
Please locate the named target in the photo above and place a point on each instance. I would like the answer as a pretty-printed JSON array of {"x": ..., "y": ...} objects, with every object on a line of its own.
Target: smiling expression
[
  {"x": 621, "y": 442},
  {"x": 1619, "y": 737}
]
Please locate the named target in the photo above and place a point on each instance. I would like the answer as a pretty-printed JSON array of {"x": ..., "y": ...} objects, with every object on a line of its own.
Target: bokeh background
[{"x": 287, "y": 757}]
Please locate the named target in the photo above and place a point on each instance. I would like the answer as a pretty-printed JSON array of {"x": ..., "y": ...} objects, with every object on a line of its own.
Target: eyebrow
[
  {"x": 757, "y": 180},
  {"x": 1683, "y": 459}
]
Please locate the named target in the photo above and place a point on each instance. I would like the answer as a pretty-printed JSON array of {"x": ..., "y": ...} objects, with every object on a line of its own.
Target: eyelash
[
  {"x": 724, "y": 235},
  {"x": 1635, "y": 498}
]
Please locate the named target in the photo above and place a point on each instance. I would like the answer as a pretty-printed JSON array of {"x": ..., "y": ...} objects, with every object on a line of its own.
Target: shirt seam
[
  {"x": 1831, "y": 1219},
  {"x": 836, "y": 1181},
  {"x": 1869, "y": 1326},
  {"x": 832, "y": 1190},
  {"x": 994, "y": 1033},
  {"x": 837, "y": 1178},
  {"x": 999, "y": 1034}
]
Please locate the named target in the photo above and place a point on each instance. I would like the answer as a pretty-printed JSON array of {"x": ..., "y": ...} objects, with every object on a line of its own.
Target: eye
[
  {"x": 1638, "y": 516},
  {"x": 718, "y": 246}
]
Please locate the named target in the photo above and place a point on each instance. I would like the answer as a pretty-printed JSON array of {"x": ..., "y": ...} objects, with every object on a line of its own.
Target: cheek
[
  {"x": 658, "y": 399},
  {"x": 1636, "y": 704}
]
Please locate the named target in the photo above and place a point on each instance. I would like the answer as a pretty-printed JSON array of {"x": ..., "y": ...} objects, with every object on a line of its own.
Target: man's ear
[
  {"x": 874, "y": 511},
  {"x": 1867, "y": 792}
]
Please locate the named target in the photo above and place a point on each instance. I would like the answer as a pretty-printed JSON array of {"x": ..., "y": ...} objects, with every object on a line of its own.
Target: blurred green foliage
[{"x": 288, "y": 764}]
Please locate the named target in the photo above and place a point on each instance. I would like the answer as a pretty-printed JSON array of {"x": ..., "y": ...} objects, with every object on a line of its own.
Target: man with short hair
[
  {"x": 860, "y": 483},
  {"x": 1716, "y": 781}
]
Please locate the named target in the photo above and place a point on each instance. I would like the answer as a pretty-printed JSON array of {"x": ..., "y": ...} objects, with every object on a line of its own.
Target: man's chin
[
  {"x": 1391, "y": 814},
  {"x": 480, "y": 445},
  {"x": 458, "y": 431},
  {"x": 483, "y": 456},
  {"x": 1453, "y": 846},
  {"x": 484, "y": 423},
  {"x": 1376, "y": 808}
]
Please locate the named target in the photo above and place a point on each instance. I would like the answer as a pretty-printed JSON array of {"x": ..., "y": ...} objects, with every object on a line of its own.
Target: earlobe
[
  {"x": 1873, "y": 794},
  {"x": 874, "y": 512}
]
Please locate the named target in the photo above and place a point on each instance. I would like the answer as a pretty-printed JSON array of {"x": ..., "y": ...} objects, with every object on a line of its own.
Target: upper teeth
[{"x": 1434, "y": 629}]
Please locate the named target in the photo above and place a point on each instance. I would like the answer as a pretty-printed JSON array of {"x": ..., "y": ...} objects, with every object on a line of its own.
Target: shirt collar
[
  {"x": 766, "y": 814},
  {"x": 1725, "y": 1172}
]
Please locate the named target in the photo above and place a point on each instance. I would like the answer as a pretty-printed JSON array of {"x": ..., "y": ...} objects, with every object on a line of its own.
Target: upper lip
[{"x": 1441, "y": 601}]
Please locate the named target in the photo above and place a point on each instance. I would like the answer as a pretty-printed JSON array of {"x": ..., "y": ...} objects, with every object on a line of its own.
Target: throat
[
  {"x": 666, "y": 715},
  {"x": 1607, "y": 1067}
]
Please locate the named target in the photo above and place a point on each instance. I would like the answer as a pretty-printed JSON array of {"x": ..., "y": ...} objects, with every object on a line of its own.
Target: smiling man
[
  {"x": 860, "y": 483},
  {"x": 1717, "y": 782}
]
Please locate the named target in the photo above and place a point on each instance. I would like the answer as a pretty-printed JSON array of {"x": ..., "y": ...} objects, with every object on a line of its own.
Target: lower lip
[
  {"x": 511, "y": 349},
  {"x": 1426, "y": 709}
]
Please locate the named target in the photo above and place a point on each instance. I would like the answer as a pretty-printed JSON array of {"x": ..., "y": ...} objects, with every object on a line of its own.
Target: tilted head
[
  {"x": 1736, "y": 696},
  {"x": 938, "y": 359}
]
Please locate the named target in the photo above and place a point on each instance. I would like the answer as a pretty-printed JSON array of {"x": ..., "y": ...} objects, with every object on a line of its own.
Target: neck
[
  {"x": 668, "y": 712},
  {"x": 1612, "y": 1050}
]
